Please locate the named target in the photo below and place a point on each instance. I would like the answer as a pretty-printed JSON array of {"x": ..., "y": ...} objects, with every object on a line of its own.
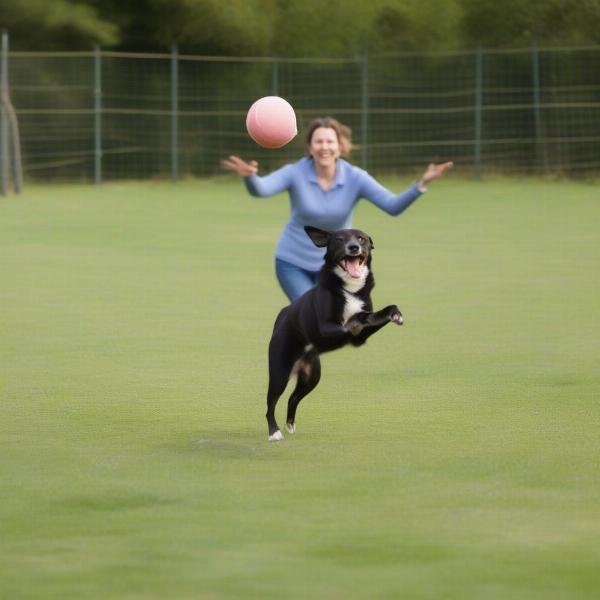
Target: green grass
[{"x": 456, "y": 457}]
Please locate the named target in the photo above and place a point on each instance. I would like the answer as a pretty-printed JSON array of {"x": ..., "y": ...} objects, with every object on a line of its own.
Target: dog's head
[{"x": 348, "y": 249}]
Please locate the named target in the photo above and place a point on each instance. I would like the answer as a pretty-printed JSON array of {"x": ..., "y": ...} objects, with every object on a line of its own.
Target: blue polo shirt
[{"x": 330, "y": 210}]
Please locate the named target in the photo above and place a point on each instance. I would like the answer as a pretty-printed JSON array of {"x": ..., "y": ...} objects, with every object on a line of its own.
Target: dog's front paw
[{"x": 395, "y": 315}]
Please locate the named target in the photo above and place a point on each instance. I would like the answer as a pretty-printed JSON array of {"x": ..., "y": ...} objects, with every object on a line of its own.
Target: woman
[{"x": 323, "y": 190}]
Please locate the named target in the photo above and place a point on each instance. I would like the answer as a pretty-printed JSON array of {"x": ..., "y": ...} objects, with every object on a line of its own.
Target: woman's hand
[
  {"x": 239, "y": 166},
  {"x": 433, "y": 172}
]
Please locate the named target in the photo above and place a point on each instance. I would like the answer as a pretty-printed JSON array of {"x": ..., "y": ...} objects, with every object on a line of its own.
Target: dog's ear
[
  {"x": 372, "y": 244},
  {"x": 319, "y": 237}
]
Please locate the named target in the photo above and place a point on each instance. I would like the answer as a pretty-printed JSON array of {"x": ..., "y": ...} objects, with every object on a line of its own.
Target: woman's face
[{"x": 324, "y": 146}]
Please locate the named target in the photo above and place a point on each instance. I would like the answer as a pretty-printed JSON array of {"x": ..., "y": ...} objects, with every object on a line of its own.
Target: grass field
[{"x": 456, "y": 457}]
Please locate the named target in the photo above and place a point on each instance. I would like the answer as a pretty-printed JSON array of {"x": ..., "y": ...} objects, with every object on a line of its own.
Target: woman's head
[{"x": 326, "y": 132}]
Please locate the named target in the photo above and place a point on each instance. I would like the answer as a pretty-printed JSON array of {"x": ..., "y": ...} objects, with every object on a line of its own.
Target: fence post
[
  {"x": 275, "y": 78},
  {"x": 97, "y": 115},
  {"x": 540, "y": 147},
  {"x": 4, "y": 141},
  {"x": 174, "y": 114},
  {"x": 10, "y": 137},
  {"x": 478, "y": 110},
  {"x": 364, "y": 113}
]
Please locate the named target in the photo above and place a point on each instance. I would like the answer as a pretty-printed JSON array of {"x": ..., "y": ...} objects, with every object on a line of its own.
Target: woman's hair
[{"x": 343, "y": 132}]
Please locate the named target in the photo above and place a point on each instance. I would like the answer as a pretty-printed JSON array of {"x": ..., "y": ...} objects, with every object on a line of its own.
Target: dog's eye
[{"x": 361, "y": 239}]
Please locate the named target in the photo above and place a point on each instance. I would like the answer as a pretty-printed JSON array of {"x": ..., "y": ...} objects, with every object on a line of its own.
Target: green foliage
[
  {"x": 214, "y": 26},
  {"x": 416, "y": 25},
  {"x": 324, "y": 27},
  {"x": 514, "y": 23},
  {"x": 298, "y": 27},
  {"x": 38, "y": 24}
]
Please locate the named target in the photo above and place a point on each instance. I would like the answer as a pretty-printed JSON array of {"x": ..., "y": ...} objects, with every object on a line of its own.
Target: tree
[
  {"x": 514, "y": 23},
  {"x": 60, "y": 24},
  {"x": 196, "y": 26},
  {"x": 298, "y": 27}
]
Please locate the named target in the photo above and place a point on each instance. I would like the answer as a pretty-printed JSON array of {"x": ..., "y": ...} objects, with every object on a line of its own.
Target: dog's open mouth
[{"x": 353, "y": 265}]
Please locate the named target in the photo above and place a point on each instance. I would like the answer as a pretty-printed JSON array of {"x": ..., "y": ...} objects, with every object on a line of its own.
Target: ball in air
[{"x": 271, "y": 122}]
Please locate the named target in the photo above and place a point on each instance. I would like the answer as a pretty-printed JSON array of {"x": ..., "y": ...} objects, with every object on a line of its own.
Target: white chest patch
[
  {"x": 353, "y": 305},
  {"x": 352, "y": 285}
]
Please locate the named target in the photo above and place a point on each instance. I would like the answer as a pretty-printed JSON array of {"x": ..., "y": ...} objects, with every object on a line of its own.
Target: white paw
[
  {"x": 276, "y": 437},
  {"x": 291, "y": 427}
]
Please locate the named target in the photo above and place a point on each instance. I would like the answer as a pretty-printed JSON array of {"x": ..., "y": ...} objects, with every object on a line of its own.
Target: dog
[{"x": 336, "y": 312}]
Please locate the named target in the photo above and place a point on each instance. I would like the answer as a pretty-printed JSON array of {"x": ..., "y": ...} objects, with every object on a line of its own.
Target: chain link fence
[{"x": 98, "y": 116}]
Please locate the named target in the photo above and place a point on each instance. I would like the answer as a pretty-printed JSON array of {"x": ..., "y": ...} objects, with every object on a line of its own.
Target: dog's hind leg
[
  {"x": 276, "y": 387},
  {"x": 309, "y": 374},
  {"x": 281, "y": 361}
]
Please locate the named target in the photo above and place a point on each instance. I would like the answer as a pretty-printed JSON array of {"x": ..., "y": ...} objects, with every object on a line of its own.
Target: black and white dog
[{"x": 336, "y": 312}]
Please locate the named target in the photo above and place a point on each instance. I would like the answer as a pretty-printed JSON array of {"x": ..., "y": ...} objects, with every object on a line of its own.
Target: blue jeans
[{"x": 294, "y": 280}]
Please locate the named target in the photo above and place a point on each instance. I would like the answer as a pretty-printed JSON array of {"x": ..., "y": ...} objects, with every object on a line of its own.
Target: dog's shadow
[{"x": 230, "y": 445}]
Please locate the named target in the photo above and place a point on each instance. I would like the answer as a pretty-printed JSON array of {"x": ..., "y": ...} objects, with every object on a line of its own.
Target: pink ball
[{"x": 271, "y": 122}]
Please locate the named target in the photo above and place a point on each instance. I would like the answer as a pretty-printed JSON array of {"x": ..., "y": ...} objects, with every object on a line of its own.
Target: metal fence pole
[
  {"x": 97, "y": 115},
  {"x": 11, "y": 138},
  {"x": 540, "y": 148},
  {"x": 275, "y": 79},
  {"x": 478, "y": 111},
  {"x": 4, "y": 141},
  {"x": 364, "y": 113},
  {"x": 174, "y": 114}
]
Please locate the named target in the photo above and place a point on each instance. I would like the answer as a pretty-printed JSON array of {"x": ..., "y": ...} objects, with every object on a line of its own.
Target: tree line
[{"x": 298, "y": 28}]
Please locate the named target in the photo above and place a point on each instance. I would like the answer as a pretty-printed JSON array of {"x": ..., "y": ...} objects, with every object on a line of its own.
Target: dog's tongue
[{"x": 353, "y": 267}]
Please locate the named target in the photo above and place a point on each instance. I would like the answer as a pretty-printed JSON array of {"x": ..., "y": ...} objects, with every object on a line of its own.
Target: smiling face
[
  {"x": 324, "y": 147},
  {"x": 350, "y": 250}
]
